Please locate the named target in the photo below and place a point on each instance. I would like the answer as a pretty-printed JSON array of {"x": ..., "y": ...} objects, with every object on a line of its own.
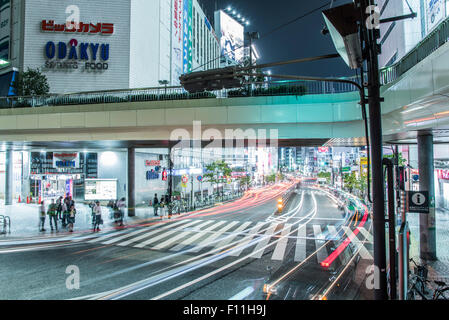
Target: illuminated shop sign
[
  {"x": 152, "y": 175},
  {"x": 66, "y": 160},
  {"x": 81, "y": 27},
  {"x": 72, "y": 55},
  {"x": 152, "y": 163}
]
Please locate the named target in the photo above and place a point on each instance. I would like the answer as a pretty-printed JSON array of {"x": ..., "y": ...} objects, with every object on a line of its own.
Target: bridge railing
[
  {"x": 425, "y": 48},
  {"x": 271, "y": 88}
]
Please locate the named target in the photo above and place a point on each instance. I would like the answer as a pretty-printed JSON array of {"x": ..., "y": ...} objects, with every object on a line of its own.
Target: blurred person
[
  {"x": 98, "y": 220},
  {"x": 71, "y": 217},
  {"x": 52, "y": 214},
  {"x": 155, "y": 204},
  {"x": 41, "y": 216}
]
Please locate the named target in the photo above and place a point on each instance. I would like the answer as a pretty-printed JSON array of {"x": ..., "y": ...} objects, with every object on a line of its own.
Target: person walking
[
  {"x": 52, "y": 214},
  {"x": 121, "y": 204},
  {"x": 65, "y": 212},
  {"x": 71, "y": 217},
  {"x": 59, "y": 208},
  {"x": 41, "y": 216},
  {"x": 98, "y": 220},
  {"x": 155, "y": 204}
]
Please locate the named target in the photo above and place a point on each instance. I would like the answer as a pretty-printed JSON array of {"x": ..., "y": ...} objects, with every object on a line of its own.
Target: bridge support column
[
  {"x": 9, "y": 177},
  {"x": 427, "y": 183},
  {"x": 131, "y": 182}
]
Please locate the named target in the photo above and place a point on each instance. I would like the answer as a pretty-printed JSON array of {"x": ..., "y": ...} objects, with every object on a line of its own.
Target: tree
[
  {"x": 350, "y": 181},
  {"x": 216, "y": 172},
  {"x": 31, "y": 83}
]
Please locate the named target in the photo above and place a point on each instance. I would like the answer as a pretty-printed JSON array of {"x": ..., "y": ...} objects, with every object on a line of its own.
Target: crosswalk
[{"x": 275, "y": 239}]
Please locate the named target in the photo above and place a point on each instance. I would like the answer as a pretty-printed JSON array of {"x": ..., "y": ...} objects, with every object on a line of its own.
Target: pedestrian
[
  {"x": 98, "y": 220},
  {"x": 52, "y": 214},
  {"x": 121, "y": 204},
  {"x": 155, "y": 204},
  {"x": 41, "y": 216},
  {"x": 71, "y": 217},
  {"x": 59, "y": 208},
  {"x": 65, "y": 212}
]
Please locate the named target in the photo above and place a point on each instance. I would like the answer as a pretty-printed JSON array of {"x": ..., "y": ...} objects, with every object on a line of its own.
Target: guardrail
[
  {"x": 429, "y": 44},
  {"x": 272, "y": 88},
  {"x": 5, "y": 224}
]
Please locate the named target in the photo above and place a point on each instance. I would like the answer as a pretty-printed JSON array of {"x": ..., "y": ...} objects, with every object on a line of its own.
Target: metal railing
[
  {"x": 5, "y": 224},
  {"x": 389, "y": 74},
  {"x": 272, "y": 88},
  {"x": 425, "y": 48}
]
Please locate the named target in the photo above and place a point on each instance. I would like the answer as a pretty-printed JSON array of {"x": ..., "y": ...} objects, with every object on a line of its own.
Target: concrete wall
[{"x": 113, "y": 165}]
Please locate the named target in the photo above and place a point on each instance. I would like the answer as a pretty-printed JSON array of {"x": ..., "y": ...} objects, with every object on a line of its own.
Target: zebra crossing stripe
[
  {"x": 107, "y": 236},
  {"x": 212, "y": 238},
  {"x": 229, "y": 238},
  {"x": 198, "y": 235},
  {"x": 166, "y": 234},
  {"x": 146, "y": 235},
  {"x": 264, "y": 242},
  {"x": 117, "y": 239},
  {"x": 300, "y": 250},
  {"x": 247, "y": 239},
  {"x": 279, "y": 251},
  {"x": 319, "y": 241},
  {"x": 364, "y": 253},
  {"x": 366, "y": 234}
]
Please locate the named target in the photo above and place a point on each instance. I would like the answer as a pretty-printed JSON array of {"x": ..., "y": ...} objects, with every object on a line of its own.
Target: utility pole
[{"x": 372, "y": 51}]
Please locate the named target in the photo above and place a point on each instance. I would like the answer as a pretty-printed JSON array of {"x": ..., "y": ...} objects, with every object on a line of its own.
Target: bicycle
[
  {"x": 440, "y": 291},
  {"x": 418, "y": 282}
]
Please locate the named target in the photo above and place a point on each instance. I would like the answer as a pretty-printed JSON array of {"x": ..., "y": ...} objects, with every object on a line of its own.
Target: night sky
[{"x": 300, "y": 39}]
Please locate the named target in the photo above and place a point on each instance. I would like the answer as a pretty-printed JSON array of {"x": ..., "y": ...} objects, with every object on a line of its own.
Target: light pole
[{"x": 164, "y": 83}]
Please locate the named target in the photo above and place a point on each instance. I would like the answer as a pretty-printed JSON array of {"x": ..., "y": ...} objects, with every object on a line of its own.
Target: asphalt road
[{"x": 226, "y": 252}]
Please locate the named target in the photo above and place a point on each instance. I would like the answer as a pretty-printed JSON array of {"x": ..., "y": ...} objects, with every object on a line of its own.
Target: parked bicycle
[
  {"x": 418, "y": 280},
  {"x": 441, "y": 292}
]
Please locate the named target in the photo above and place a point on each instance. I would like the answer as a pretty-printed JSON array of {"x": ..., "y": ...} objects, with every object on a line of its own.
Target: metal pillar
[
  {"x": 9, "y": 177},
  {"x": 391, "y": 228},
  {"x": 426, "y": 183},
  {"x": 372, "y": 50},
  {"x": 131, "y": 182}
]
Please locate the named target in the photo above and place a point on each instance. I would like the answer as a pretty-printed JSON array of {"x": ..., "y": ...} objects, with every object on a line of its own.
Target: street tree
[
  {"x": 216, "y": 173},
  {"x": 31, "y": 83}
]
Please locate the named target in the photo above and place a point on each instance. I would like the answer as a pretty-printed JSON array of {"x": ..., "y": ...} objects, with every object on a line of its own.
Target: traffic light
[{"x": 211, "y": 80}]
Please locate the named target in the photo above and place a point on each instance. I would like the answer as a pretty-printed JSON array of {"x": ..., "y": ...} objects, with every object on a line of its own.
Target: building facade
[{"x": 106, "y": 45}]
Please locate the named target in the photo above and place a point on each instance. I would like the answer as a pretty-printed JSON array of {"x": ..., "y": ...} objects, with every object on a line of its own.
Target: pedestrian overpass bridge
[{"x": 416, "y": 92}]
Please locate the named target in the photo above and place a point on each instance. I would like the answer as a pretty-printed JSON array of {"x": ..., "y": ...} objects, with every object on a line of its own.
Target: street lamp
[{"x": 164, "y": 83}]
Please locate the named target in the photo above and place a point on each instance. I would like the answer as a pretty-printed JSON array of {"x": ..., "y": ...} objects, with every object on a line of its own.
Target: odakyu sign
[{"x": 77, "y": 55}]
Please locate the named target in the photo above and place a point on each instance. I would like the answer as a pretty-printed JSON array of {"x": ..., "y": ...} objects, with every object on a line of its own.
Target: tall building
[
  {"x": 399, "y": 37},
  {"x": 104, "y": 45}
]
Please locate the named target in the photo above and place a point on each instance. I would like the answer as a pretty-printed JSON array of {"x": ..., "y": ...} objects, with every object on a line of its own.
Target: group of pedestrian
[
  {"x": 160, "y": 203},
  {"x": 62, "y": 210},
  {"x": 117, "y": 210}
]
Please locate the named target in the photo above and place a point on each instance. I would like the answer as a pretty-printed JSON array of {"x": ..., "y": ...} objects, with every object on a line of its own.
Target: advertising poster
[
  {"x": 435, "y": 12},
  {"x": 232, "y": 37},
  {"x": 185, "y": 36},
  {"x": 177, "y": 40},
  {"x": 100, "y": 189}
]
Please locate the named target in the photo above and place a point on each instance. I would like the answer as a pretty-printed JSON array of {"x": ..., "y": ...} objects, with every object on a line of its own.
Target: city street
[{"x": 227, "y": 252}]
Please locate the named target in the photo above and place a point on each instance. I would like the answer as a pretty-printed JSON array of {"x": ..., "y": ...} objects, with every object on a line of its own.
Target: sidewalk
[
  {"x": 25, "y": 219},
  {"x": 438, "y": 270}
]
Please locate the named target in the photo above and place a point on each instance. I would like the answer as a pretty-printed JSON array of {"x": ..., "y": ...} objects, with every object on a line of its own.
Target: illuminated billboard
[
  {"x": 231, "y": 36},
  {"x": 100, "y": 189}
]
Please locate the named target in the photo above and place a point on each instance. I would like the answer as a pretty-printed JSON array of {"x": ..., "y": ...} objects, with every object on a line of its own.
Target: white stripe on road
[
  {"x": 164, "y": 235},
  {"x": 264, "y": 242},
  {"x": 212, "y": 238},
  {"x": 198, "y": 235},
  {"x": 319, "y": 241},
  {"x": 242, "y": 244},
  {"x": 366, "y": 234},
  {"x": 117, "y": 239},
  {"x": 364, "y": 253},
  {"x": 279, "y": 251},
  {"x": 300, "y": 252},
  {"x": 146, "y": 235},
  {"x": 229, "y": 238},
  {"x": 107, "y": 236}
]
